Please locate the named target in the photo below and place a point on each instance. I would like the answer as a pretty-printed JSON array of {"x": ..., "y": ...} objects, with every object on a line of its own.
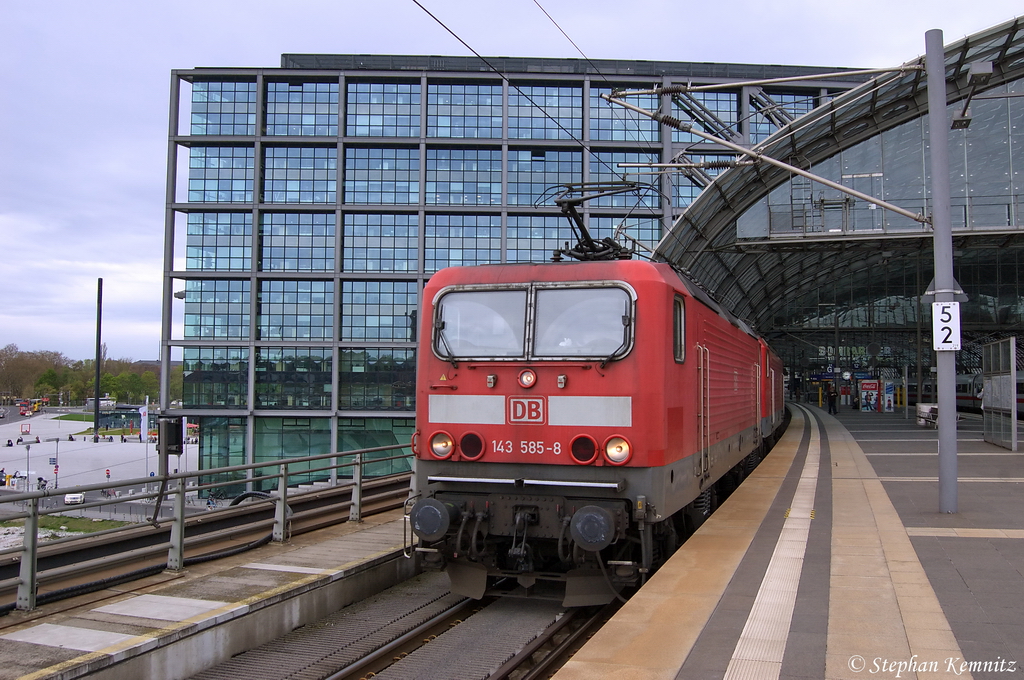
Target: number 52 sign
[{"x": 945, "y": 326}]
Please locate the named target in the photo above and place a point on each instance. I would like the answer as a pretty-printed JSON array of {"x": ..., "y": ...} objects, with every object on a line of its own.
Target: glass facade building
[{"x": 308, "y": 205}]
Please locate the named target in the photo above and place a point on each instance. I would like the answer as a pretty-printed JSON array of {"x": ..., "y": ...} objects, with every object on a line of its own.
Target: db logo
[{"x": 525, "y": 410}]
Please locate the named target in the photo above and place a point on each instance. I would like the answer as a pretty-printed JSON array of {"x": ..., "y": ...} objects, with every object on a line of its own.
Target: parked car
[{"x": 74, "y": 498}]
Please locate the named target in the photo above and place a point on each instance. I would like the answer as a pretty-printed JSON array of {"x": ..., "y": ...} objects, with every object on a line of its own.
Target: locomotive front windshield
[
  {"x": 483, "y": 323},
  {"x": 581, "y": 322},
  {"x": 566, "y": 323}
]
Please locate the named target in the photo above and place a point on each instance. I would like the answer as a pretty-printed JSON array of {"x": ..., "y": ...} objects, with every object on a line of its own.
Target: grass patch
[
  {"x": 83, "y": 417},
  {"x": 81, "y": 524},
  {"x": 88, "y": 418}
]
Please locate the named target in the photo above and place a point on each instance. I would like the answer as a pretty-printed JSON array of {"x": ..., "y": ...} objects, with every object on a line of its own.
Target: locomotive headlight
[
  {"x": 617, "y": 450},
  {"x": 442, "y": 445},
  {"x": 527, "y": 378}
]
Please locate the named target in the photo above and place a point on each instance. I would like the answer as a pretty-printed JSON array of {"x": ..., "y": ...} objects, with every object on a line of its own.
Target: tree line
[{"x": 40, "y": 374}]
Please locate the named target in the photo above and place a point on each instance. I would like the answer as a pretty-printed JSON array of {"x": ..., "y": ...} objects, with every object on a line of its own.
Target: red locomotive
[{"x": 575, "y": 422}]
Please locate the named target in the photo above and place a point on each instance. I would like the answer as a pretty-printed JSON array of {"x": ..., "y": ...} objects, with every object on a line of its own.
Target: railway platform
[
  {"x": 176, "y": 624},
  {"x": 833, "y": 561}
]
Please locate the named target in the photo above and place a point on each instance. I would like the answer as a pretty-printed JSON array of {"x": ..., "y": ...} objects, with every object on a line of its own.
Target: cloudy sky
[{"x": 84, "y": 98}]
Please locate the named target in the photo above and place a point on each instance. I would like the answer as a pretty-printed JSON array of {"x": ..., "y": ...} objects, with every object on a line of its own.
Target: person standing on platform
[{"x": 832, "y": 399}]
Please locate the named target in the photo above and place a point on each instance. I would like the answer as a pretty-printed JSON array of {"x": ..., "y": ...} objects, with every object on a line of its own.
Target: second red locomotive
[{"x": 576, "y": 420}]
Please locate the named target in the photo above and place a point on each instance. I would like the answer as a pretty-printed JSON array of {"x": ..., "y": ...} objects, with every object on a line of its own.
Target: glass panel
[
  {"x": 463, "y": 176},
  {"x": 293, "y": 378},
  {"x": 533, "y": 238},
  {"x": 679, "y": 316},
  {"x": 222, "y": 444},
  {"x": 383, "y": 110},
  {"x": 297, "y": 242},
  {"x": 765, "y": 121},
  {"x": 723, "y": 108},
  {"x": 382, "y": 175},
  {"x": 215, "y": 377},
  {"x": 217, "y": 309},
  {"x": 219, "y": 241},
  {"x": 464, "y": 111},
  {"x": 647, "y": 230},
  {"x": 532, "y": 173},
  {"x": 604, "y": 167},
  {"x": 482, "y": 324},
  {"x": 616, "y": 123},
  {"x": 379, "y": 310},
  {"x": 539, "y": 112},
  {"x": 368, "y": 433},
  {"x": 461, "y": 240},
  {"x": 223, "y": 108},
  {"x": 377, "y": 380},
  {"x": 306, "y": 175},
  {"x": 588, "y": 322},
  {"x": 685, "y": 189},
  {"x": 380, "y": 242},
  {"x": 296, "y": 309},
  {"x": 291, "y": 438},
  {"x": 302, "y": 109},
  {"x": 220, "y": 174}
]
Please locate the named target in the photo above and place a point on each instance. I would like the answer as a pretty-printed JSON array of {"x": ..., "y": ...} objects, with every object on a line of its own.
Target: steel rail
[
  {"x": 391, "y": 491},
  {"x": 399, "y": 642}
]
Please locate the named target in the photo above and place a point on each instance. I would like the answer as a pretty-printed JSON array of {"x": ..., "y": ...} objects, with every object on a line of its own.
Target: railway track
[
  {"x": 74, "y": 566},
  {"x": 418, "y": 629}
]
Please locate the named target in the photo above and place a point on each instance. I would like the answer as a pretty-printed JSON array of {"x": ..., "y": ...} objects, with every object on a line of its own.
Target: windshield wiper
[
  {"x": 622, "y": 345},
  {"x": 450, "y": 356}
]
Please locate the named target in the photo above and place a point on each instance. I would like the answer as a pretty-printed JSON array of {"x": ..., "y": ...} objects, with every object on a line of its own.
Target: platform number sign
[{"x": 945, "y": 326}]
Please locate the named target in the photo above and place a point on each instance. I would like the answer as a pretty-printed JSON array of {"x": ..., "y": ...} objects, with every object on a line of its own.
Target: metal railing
[{"x": 173, "y": 486}]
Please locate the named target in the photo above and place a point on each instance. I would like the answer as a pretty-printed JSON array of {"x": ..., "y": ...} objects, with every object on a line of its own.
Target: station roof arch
[{"x": 754, "y": 276}]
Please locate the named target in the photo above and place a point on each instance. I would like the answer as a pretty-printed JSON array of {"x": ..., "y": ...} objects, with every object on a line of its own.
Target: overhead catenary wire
[
  {"x": 635, "y": 119},
  {"x": 583, "y": 145}
]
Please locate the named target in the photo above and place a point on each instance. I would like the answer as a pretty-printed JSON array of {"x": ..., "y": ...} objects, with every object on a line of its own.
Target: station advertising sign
[{"x": 870, "y": 399}]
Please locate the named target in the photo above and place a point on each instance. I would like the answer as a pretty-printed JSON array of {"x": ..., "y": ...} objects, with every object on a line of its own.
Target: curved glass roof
[{"x": 754, "y": 276}]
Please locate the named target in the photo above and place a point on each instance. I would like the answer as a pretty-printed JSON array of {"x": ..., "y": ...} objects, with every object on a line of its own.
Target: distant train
[
  {"x": 968, "y": 392},
  {"x": 577, "y": 421}
]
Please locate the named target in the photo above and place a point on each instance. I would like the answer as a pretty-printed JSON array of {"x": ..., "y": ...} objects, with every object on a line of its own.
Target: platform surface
[
  {"x": 832, "y": 560},
  {"x": 120, "y": 625}
]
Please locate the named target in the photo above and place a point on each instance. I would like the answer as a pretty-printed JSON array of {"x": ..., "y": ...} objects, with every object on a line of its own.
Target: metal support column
[
  {"x": 355, "y": 511},
  {"x": 942, "y": 234},
  {"x": 281, "y": 507},
  {"x": 176, "y": 553},
  {"x": 27, "y": 583}
]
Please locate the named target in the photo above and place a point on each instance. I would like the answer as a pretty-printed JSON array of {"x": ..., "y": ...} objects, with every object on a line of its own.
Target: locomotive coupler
[{"x": 520, "y": 552}]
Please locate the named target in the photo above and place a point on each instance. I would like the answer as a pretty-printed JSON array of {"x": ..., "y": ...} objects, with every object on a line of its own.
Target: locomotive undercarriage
[{"x": 580, "y": 549}]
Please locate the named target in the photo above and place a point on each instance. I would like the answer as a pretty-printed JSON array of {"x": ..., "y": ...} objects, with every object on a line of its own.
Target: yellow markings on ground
[
  {"x": 762, "y": 644},
  {"x": 681, "y": 597},
  {"x": 876, "y": 577},
  {"x": 965, "y": 532}
]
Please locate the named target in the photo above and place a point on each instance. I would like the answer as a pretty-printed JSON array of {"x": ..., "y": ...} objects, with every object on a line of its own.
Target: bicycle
[{"x": 214, "y": 498}]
